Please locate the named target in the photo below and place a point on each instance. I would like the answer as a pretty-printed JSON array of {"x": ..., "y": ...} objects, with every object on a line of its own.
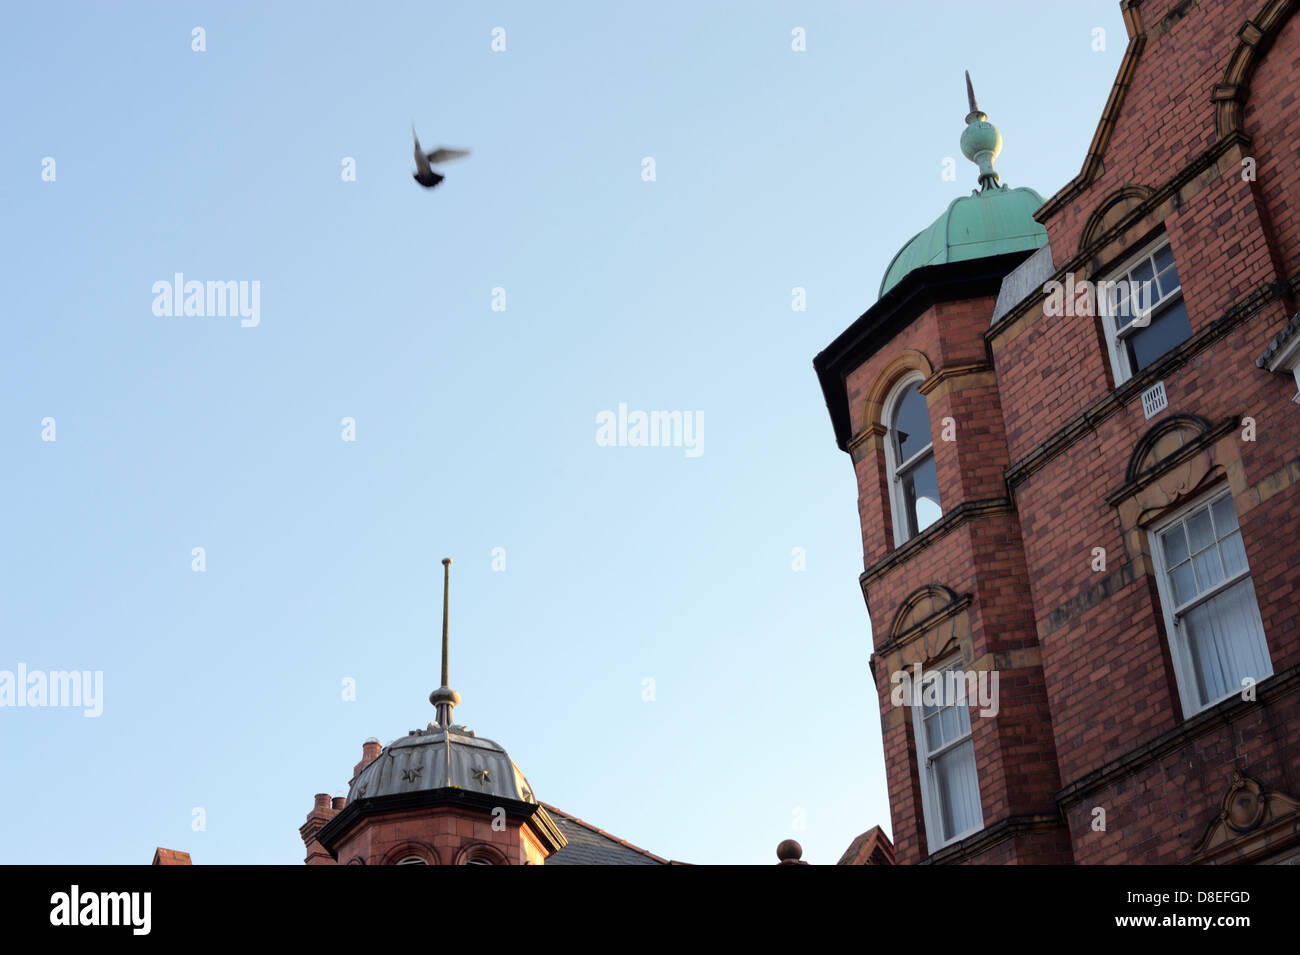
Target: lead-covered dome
[
  {"x": 989, "y": 222},
  {"x": 438, "y": 758},
  {"x": 993, "y": 220}
]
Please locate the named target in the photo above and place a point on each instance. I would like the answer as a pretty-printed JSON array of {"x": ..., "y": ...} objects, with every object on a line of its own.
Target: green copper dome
[{"x": 991, "y": 221}]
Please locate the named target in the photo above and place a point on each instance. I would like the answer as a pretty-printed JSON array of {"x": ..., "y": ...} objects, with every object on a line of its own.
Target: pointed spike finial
[
  {"x": 981, "y": 141},
  {"x": 446, "y": 587},
  {"x": 444, "y": 698}
]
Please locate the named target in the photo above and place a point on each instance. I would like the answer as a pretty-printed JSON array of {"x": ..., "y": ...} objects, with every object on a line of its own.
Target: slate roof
[
  {"x": 1291, "y": 328},
  {"x": 591, "y": 846}
]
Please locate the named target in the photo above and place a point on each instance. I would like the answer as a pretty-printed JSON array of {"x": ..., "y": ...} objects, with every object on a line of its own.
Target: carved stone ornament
[{"x": 1252, "y": 822}]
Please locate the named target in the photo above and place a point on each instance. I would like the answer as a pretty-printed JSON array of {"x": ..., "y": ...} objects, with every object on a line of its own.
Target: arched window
[
  {"x": 411, "y": 860},
  {"x": 480, "y": 854},
  {"x": 909, "y": 455}
]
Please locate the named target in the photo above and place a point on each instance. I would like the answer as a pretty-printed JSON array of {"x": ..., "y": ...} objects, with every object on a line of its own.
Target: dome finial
[
  {"x": 980, "y": 141},
  {"x": 444, "y": 698}
]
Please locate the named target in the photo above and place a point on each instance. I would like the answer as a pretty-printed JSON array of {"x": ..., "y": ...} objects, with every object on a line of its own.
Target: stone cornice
[
  {"x": 967, "y": 849},
  {"x": 530, "y": 814},
  {"x": 954, "y": 519},
  {"x": 952, "y": 372}
]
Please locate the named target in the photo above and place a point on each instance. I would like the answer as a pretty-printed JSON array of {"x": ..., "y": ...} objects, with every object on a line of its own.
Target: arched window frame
[
  {"x": 897, "y": 504},
  {"x": 480, "y": 853},
  {"x": 400, "y": 854}
]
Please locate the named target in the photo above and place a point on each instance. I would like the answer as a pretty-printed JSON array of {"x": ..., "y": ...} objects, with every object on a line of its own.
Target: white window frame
[
  {"x": 1184, "y": 670},
  {"x": 897, "y": 503},
  {"x": 1116, "y": 336},
  {"x": 931, "y": 803}
]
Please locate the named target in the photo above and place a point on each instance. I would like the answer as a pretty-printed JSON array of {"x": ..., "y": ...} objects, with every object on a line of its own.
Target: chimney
[
  {"x": 369, "y": 753},
  {"x": 163, "y": 856}
]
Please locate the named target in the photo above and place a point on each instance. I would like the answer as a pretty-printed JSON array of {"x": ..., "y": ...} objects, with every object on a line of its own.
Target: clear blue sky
[{"x": 475, "y": 428}]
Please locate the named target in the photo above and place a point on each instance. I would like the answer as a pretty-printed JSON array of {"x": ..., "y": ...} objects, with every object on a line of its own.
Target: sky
[{"x": 670, "y": 641}]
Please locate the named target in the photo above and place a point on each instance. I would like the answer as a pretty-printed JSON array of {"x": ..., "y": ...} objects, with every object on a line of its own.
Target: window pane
[
  {"x": 1234, "y": 555},
  {"x": 958, "y": 789},
  {"x": 1184, "y": 583},
  {"x": 933, "y": 734},
  {"x": 911, "y": 424},
  {"x": 1225, "y": 640},
  {"x": 1208, "y": 569},
  {"x": 927, "y": 710},
  {"x": 1199, "y": 531},
  {"x": 1143, "y": 273},
  {"x": 1170, "y": 328},
  {"x": 921, "y": 495},
  {"x": 1123, "y": 309},
  {"x": 963, "y": 717},
  {"x": 956, "y": 678},
  {"x": 1225, "y": 516},
  {"x": 1164, "y": 258},
  {"x": 1168, "y": 282},
  {"x": 949, "y": 723},
  {"x": 1175, "y": 544}
]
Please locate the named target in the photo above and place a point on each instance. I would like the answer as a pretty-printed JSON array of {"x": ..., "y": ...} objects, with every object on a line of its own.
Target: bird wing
[
  {"x": 421, "y": 163},
  {"x": 442, "y": 154}
]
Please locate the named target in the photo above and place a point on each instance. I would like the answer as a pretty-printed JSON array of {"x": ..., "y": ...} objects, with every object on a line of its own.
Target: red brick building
[{"x": 1077, "y": 449}]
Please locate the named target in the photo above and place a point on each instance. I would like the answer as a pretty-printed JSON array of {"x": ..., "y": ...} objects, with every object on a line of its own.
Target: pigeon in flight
[{"x": 423, "y": 174}]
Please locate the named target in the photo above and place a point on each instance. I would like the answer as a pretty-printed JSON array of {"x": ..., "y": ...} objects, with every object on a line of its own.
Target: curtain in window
[
  {"x": 959, "y": 793},
  {"x": 1226, "y": 642}
]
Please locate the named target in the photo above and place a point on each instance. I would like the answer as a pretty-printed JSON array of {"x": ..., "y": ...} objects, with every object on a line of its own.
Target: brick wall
[{"x": 1091, "y": 717}]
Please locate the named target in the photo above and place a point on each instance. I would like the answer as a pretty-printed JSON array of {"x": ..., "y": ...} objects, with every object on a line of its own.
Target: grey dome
[{"x": 435, "y": 758}]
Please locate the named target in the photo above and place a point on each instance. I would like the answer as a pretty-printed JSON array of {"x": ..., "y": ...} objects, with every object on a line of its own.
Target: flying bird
[{"x": 424, "y": 175}]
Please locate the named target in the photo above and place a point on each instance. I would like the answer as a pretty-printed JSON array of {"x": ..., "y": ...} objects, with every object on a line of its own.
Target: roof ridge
[{"x": 596, "y": 829}]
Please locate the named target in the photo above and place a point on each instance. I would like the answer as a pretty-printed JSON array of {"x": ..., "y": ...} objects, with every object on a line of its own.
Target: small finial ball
[
  {"x": 789, "y": 851},
  {"x": 446, "y": 562}
]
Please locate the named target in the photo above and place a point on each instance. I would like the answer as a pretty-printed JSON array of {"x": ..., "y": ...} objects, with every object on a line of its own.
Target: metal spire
[
  {"x": 444, "y": 698},
  {"x": 980, "y": 141}
]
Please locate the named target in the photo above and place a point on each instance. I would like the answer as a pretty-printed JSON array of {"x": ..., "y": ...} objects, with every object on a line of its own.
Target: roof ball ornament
[
  {"x": 981, "y": 142},
  {"x": 790, "y": 853}
]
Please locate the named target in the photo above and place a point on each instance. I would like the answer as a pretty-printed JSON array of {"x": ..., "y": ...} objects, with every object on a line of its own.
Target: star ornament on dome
[
  {"x": 411, "y": 773},
  {"x": 482, "y": 776}
]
